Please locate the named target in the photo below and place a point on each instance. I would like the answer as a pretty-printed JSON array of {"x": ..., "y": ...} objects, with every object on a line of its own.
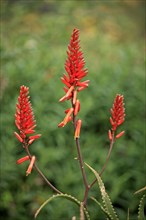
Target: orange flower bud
[
  {"x": 30, "y": 165},
  {"x": 23, "y": 159},
  {"x": 120, "y": 134},
  {"x": 67, "y": 117},
  {"x": 74, "y": 97},
  {"x": 69, "y": 91},
  {"x": 35, "y": 136},
  {"x": 18, "y": 137},
  {"x": 110, "y": 135},
  {"x": 77, "y": 107},
  {"x": 62, "y": 99},
  {"x": 78, "y": 128},
  {"x": 61, "y": 124},
  {"x": 65, "y": 82},
  {"x": 81, "y": 88},
  {"x": 31, "y": 141}
]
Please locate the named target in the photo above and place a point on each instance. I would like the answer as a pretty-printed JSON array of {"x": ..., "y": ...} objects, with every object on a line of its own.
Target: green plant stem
[
  {"x": 40, "y": 172},
  {"x": 80, "y": 159},
  {"x": 101, "y": 172},
  {"x": 107, "y": 159},
  {"x": 81, "y": 163}
]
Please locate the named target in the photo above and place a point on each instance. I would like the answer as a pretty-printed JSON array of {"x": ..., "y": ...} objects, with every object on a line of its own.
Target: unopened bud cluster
[
  {"x": 118, "y": 116},
  {"x": 24, "y": 120}
]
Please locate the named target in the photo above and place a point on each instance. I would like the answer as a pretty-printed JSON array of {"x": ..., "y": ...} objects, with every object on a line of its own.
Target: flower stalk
[
  {"x": 25, "y": 122},
  {"x": 116, "y": 119},
  {"x": 76, "y": 71}
]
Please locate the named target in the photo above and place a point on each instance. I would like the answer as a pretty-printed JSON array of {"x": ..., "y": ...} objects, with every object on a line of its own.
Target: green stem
[
  {"x": 80, "y": 159},
  {"x": 107, "y": 159},
  {"x": 40, "y": 172},
  {"x": 101, "y": 172}
]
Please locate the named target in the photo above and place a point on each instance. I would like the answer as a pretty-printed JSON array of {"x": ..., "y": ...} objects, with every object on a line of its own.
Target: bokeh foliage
[{"x": 34, "y": 39}]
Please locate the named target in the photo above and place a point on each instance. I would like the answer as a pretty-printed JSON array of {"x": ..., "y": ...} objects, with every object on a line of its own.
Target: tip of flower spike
[
  {"x": 117, "y": 112},
  {"x": 74, "y": 64},
  {"x": 26, "y": 122}
]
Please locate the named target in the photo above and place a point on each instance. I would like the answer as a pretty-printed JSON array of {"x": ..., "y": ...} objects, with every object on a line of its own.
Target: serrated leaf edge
[
  {"x": 140, "y": 207},
  {"x": 99, "y": 204},
  {"x": 69, "y": 197},
  {"x": 104, "y": 195}
]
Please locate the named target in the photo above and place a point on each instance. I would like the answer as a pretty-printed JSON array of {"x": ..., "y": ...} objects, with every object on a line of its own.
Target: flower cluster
[
  {"x": 75, "y": 70},
  {"x": 118, "y": 116},
  {"x": 24, "y": 120}
]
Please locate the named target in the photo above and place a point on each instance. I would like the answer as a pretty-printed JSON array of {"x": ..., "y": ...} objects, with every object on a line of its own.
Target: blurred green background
[{"x": 34, "y": 39}]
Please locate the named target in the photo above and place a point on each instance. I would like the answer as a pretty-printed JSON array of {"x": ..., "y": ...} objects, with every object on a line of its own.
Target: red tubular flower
[
  {"x": 30, "y": 165},
  {"x": 75, "y": 72},
  {"x": 23, "y": 159},
  {"x": 77, "y": 107},
  {"x": 118, "y": 116},
  {"x": 110, "y": 135},
  {"x": 24, "y": 117},
  {"x": 78, "y": 128},
  {"x": 120, "y": 134}
]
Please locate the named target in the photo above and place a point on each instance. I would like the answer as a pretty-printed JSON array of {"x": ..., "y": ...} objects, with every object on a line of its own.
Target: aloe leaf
[
  {"x": 99, "y": 204},
  {"x": 105, "y": 198},
  {"x": 141, "y": 208},
  {"x": 66, "y": 196},
  {"x": 82, "y": 217}
]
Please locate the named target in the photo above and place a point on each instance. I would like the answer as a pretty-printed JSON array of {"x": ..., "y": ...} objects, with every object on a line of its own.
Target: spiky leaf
[
  {"x": 99, "y": 204},
  {"x": 141, "y": 208},
  {"x": 66, "y": 196},
  {"x": 105, "y": 198},
  {"x": 82, "y": 217}
]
